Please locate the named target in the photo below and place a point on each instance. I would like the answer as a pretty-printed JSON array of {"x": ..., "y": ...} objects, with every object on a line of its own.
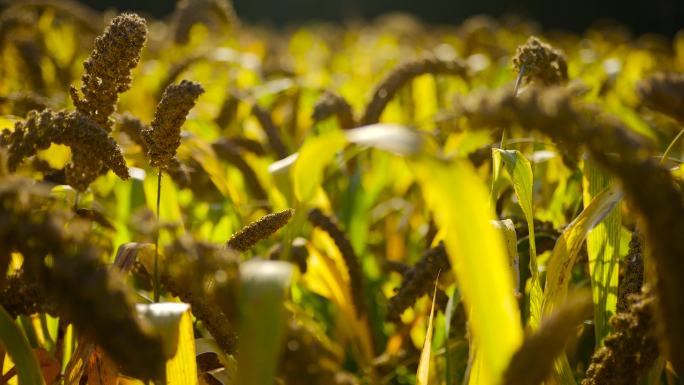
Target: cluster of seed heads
[
  {"x": 633, "y": 277},
  {"x": 541, "y": 62},
  {"x": 73, "y": 282},
  {"x": 163, "y": 137},
  {"x": 630, "y": 351},
  {"x": 385, "y": 91},
  {"x": 263, "y": 228},
  {"x": 418, "y": 281},
  {"x": 332, "y": 104},
  {"x": 205, "y": 276},
  {"x": 664, "y": 93},
  {"x": 19, "y": 295},
  {"x": 108, "y": 69},
  {"x": 191, "y": 12},
  {"x": 93, "y": 150},
  {"x": 134, "y": 128}
]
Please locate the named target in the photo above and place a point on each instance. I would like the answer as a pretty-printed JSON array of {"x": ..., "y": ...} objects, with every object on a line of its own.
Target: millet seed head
[
  {"x": 108, "y": 69},
  {"x": 541, "y": 62},
  {"x": 664, "y": 93},
  {"x": 249, "y": 235},
  {"x": 163, "y": 138},
  {"x": 93, "y": 150}
]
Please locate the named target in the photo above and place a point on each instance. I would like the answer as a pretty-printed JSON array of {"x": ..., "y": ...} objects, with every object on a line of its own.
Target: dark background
[{"x": 658, "y": 16}]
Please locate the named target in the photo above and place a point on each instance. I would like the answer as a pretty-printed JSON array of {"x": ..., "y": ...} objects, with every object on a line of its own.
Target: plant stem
[
  {"x": 515, "y": 93},
  {"x": 156, "y": 241},
  {"x": 666, "y": 154}
]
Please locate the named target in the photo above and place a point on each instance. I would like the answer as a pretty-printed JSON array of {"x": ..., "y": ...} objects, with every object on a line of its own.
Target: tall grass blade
[
  {"x": 568, "y": 246},
  {"x": 423, "y": 375},
  {"x": 16, "y": 345},
  {"x": 314, "y": 156},
  {"x": 181, "y": 369},
  {"x": 520, "y": 172},
  {"x": 564, "y": 257},
  {"x": 459, "y": 202},
  {"x": 603, "y": 246}
]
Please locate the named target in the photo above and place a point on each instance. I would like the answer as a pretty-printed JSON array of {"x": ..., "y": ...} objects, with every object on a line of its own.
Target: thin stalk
[
  {"x": 667, "y": 152},
  {"x": 493, "y": 194},
  {"x": 515, "y": 93},
  {"x": 156, "y": 241}
]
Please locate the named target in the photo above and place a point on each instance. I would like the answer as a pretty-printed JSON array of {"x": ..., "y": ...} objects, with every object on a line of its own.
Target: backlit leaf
[{"x": 459, "y": 202}]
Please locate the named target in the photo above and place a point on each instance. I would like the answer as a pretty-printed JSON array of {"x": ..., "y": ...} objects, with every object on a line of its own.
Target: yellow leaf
[
  {"x": 459, "y": 201},
  {"x": 181, "y": 369},
  {"x": 424, "y": 364},
  {"x": 314, "y": 156}
]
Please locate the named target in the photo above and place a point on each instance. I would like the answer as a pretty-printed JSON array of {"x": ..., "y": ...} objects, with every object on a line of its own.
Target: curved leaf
[
  {"x": 17, "y": 346},
  {"x": 314, "y": 156}
]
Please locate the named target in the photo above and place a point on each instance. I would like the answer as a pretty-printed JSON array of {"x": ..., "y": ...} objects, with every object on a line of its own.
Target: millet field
[{"x": 199, "y": 200}]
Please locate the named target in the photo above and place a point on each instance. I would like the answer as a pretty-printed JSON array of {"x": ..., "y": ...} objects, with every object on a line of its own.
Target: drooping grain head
[
  {"x": 213, "y": 13},
  {"x": 664, "y": 93},
  {"x": 108, "y": 69},
  {"x": 163, "y": 138},
  {"x": 541, "y": 62},
  {"x": 264, "y": 227},
  {"x": 93, "y": 151}
]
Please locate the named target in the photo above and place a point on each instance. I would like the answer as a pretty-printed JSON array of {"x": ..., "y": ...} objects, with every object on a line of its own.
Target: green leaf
[
  {"x": 264, "y": 286},
  {"x": 603, "y": 247},
  {"x": 423, "y": 374},
  {"x": 568, "y": 245},
  {"x": 17, "y": 346},
  {"x": 507, "y": 229},
  {"x": 460, "y": 205},
  {"x": 520, "y": 172},
  {"x": 456, "y": 348},
  {"x": 564, "y": 257},
  {"x": 314, "y": 156}
]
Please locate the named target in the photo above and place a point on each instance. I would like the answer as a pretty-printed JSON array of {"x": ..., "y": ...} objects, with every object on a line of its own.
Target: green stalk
[
  {"x": 156, "y": 241},
  {"x": 667, "y": 152},
  {"x": 518, "y": 80}
]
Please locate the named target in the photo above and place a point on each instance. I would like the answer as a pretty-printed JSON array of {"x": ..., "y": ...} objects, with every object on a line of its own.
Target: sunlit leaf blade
[
  {"x": 181, "y": 369},
  {"x": 393, "y": 138},
  {"x": 16, "y": 345},
  {"x": 520, "y": 172},
  {"x": 327, "y": 276},
  {"x": 264, "y": 286},
  {"x": 603, "y": 247},
  {"x": 166, "y": 318},
  {"x": 568, "y": 245},
  {"x": 423, "y": 374},
  {"x": 507, "y": 229},
  {"x": 564, "y": 257},
  {"x": 314, "y": 156},
  {"x": 459, "y": 201}
]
